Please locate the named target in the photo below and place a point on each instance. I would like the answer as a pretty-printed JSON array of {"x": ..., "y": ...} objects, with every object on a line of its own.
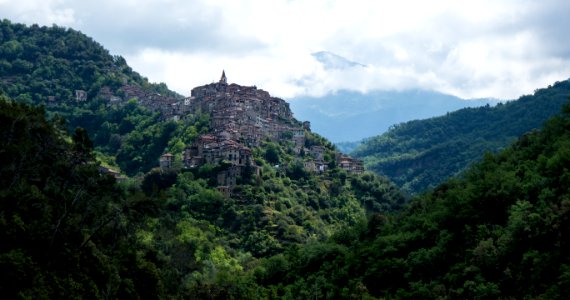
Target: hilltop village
[{"x": 241, "y": 118}]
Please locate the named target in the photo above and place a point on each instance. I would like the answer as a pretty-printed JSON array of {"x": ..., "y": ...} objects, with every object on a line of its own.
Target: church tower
[{"x": 224, "y": 79}]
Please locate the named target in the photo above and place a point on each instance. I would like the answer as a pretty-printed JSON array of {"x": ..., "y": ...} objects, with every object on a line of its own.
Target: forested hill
[
  {"x": 48, "y": 64},
  {"x": 76, "y": 77},
  {"x": 500, "y": 231},
  {"x": 162, "y": 231},
  {"x": 421, "y": 154}
]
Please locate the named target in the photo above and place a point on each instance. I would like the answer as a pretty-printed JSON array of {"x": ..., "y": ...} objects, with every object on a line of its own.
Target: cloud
[
  {"x": 186, "y": 26},
  {"x": 45, "y": 12},
  {"x": 468, "y": 48}
]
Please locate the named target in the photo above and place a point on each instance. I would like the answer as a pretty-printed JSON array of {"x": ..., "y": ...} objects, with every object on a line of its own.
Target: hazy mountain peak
[
  {"x": 351, "y": 116},
  {"x": 333, "y": 61}
]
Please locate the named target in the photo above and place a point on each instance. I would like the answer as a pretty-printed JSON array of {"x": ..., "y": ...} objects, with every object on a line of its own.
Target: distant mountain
[
  {"x": 334, "y": 61},
  {"x": 353, "y": 116},
  {"x": 347, "y": 147},
  {"x": 421, "y": 154}
]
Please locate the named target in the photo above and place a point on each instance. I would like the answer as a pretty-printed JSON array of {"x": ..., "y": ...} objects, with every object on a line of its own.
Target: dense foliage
[
  {"x": 39, "y": 62},
  {"x": 58, "y": 215},
  {"x": 161, "y": 234},
  {"x": 68, "y": 231},
  {"x": 500, "y": 231},
  {"x": 420, "y": 154},
  {"x": 132, "y": 137}
]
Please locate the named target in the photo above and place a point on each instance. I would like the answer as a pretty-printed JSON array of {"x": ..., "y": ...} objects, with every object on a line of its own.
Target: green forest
[
  {"x": 497, "y": 230},
  {"x": 39, "y": 62},
  {"x": 421, "y": 154},
  {"x": 70, "y": 231}
]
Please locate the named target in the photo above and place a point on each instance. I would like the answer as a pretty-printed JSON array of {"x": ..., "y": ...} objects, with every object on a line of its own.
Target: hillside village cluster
[{"x": 241, "y": 117}]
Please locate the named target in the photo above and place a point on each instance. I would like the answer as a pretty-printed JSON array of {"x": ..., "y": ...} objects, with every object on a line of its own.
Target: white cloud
[
  {"x": 467, "y": 48},
  {"x": 46, "y": 12}
]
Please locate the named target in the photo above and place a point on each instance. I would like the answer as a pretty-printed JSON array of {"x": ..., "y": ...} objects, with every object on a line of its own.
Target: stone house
[
  {"x": 80, "y": 95},
  {"x": 310, "y": 166},
  {"x": 351, "y": 165},
  {"x": 321, "y": 166},
  {"x": 166, "y": 161},
  {"x": 317, "y": 152},
  {"x": 212, "y": 150},
  {"x": 229, "y": 176},
  {"x": 112, "y": 172}
]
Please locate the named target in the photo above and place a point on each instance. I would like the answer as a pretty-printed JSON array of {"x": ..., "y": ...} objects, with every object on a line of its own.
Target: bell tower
[{"x": 224, "y": 79}]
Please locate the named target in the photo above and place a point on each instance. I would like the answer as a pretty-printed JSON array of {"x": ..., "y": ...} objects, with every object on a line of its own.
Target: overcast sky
[{"x": 484, "y": 48}]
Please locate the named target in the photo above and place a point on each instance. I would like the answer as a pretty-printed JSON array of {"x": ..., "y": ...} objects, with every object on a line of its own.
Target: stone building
[
  {"x": 242, "y": 117},
  {"x": 317, "y": 152},
  {"x": 80, "y": 95},
  {"x": 250, "y": 114},
  {"x": 351, "y": 165},
  {"x": 116, "y": 174},
  {"x": 166, "y": 161}
]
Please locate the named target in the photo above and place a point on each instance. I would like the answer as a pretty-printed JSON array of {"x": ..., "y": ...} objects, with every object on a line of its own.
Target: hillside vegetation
[
  {"x": 46, "y": 65},
  {"x": 420, "y": 154},
  {"x": 500, "y": 231},
  {"x": 69, "y": 230},
  {"x": 39, "y": 62}
]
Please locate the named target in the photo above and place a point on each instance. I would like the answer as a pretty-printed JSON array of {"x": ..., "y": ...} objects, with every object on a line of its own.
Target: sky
[{"x": 471, "y": 49}]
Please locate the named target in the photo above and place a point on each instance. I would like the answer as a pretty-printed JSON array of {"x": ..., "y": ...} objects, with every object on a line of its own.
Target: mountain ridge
[
  {"x": 421, "y": 153},
  {"x": 331, "y": 60},
  {"x": 349, "y": 116}
]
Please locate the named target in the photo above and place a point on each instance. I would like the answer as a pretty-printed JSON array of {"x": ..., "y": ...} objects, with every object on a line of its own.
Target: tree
[{"x": 272, "y": 154}]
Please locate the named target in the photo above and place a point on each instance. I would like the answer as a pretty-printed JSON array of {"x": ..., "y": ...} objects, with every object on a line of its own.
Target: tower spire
[{"x": 224, "y": 79}]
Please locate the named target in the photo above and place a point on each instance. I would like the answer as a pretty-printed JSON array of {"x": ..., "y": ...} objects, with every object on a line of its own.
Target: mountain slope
[
  {"x": 75, "y": 77},
  {"x": 421, "y": 154},
  {"x": 500, "y": 231},
  {"x": 132, "y": 126},
  {"x": 353, "y": 116},
  {"x": 48, "y": 64},
  {"x": 168, "y": 231}
]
